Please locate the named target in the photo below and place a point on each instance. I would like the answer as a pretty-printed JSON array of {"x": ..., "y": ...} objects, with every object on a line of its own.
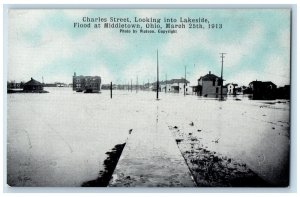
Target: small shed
[{"x": 33, "y": 86}]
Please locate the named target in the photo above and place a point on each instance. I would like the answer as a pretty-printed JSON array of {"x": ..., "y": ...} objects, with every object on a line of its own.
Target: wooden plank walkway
[{"x": 151, "y": 158}]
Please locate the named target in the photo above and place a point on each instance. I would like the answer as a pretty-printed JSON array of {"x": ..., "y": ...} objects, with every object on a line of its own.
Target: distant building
[
  {"x": 210, "y": 86},
  {"x": 176, "y": 86},
  {"x": 231, "y": 88},
  {"x": 283, "y": 92},
  {"x": 241, "y": 90},
  {"x": 14, "y": 85},
  {"x": 88, "y": 84},
  {"x": 33, "y": 86},
  {"x": 59, "y": 84},
  {"x": 105, "y": 86},
  {"x": 50, "y": 85},
  {"x": 263, "y": 90}
]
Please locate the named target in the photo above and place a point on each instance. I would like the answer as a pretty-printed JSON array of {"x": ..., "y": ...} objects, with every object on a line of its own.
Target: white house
[
  {"x": 231, "y": 88},
  {"x": 176, "y": 86}
]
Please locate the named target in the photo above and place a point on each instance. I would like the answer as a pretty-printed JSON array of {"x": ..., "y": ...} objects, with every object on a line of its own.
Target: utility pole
[
  {"x": 166, "y": 83},
  {"x": 148, "y": 85},
  {"x": 157, "y": 77},
  {"x": 184, "y": 80},
  {"x": 137, "y": 83},
  {"x": 222, "y": 57},
  {"x": 131, "y": 85}
]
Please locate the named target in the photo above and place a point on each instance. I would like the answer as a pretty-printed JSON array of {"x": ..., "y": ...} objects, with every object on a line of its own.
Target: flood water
[{"x": 60, "y": 138}]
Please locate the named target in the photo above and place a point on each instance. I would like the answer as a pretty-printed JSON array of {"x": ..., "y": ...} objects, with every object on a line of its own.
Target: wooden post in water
[{"x": 111, "y": 90}]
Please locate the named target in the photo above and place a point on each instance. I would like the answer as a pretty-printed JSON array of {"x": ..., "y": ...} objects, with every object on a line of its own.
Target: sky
[{"x": 44, "y": 44}]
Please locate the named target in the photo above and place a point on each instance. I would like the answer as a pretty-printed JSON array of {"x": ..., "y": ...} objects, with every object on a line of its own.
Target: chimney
[
  {"x": 75, "y": 74},
  {"x": 209, "y": 72}
]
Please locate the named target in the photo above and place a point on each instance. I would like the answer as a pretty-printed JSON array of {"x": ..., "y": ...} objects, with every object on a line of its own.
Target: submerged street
[{"x": 60, "y": 138}]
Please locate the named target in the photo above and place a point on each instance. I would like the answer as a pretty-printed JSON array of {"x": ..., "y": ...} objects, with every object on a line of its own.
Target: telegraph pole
[
  {"x": 222, "y": 57},
  {"x": 184, "y": 79},
  {"x": 157, "y": 76},
  {"x": 137, "y": 83},
  {"x": 166, "y": 83}
]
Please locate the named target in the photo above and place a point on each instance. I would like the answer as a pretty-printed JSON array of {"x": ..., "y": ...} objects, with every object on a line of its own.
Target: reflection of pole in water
[
  {"x": 157, "y": 77},
  {"x": 156, "y": 115}
]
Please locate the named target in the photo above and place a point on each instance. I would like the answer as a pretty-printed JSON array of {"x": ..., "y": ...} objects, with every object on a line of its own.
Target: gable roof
[
  {"x": 33, "y": 82},
  {"x": 262, "y": 83},
  {"x": 209, "y": 77},
  {"x": 234, "y": 84}
]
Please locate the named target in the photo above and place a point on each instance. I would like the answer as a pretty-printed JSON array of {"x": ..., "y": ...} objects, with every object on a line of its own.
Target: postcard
[{"x": 148, "y": 97}]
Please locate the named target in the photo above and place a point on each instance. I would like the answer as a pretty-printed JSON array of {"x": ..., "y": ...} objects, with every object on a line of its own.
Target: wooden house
[
  {"x": 33, "y": 86},
  {"x": 263, "y": 90},
  {"x": 210, "y": 86}
]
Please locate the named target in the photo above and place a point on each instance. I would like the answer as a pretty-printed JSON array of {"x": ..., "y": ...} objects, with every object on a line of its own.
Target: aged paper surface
[{"x": 148, "y": 97}]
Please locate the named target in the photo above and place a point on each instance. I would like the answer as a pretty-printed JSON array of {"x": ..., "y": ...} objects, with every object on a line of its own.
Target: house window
[
  {"x": 214, "y": 82},
  {"x": 217, "y": 90},
  {"x": 219, "y": 82}
]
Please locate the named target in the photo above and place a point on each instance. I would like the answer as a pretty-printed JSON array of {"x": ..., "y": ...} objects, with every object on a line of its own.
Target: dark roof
[
  {"x": 262, "y": 82},
  {"x": 209, "y": 77},
  {"x": 33, "y": 82},
  {"x": 234, "y": 84},
  {"x": 175, "y": 81}
]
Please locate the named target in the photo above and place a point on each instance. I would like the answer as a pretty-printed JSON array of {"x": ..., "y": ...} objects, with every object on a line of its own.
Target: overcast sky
[{"x": 43, "y": 43}]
